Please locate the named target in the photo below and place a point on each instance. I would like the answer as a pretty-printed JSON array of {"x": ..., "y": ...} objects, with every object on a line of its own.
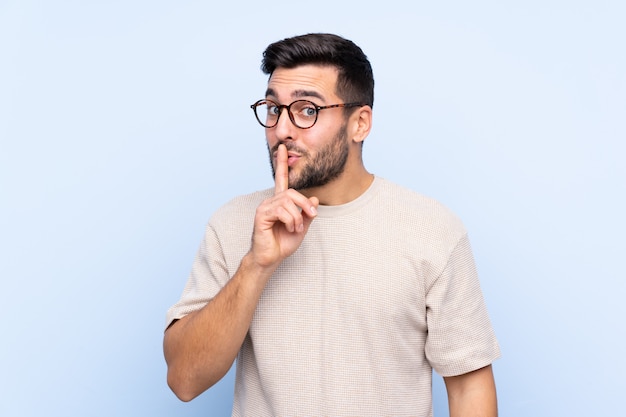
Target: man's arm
[
  {"x": 201, "y": 347},
  {"x": 472, "y": 394}
]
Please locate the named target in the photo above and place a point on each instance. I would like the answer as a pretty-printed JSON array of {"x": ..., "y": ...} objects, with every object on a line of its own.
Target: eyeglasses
[{"x": 302, "y": 113}]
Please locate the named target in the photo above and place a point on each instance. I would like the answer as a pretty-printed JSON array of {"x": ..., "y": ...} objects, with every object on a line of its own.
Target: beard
[{"x": 326, "y": 165}]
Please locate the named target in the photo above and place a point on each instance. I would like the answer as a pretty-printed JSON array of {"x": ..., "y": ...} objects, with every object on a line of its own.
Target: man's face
[{"x": 319, "y": 154}]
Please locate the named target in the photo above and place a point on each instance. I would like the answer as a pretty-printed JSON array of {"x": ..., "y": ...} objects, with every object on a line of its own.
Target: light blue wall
[{"x": 125, "y": 124}]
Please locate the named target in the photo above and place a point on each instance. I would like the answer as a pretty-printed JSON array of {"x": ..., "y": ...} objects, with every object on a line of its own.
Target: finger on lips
[
  {"x": 281, "y": 172},
  {"x": 281, "y": 178}
]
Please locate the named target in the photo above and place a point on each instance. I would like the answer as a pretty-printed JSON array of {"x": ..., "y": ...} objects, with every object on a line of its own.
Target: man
[{"x": 337, "y": 291}]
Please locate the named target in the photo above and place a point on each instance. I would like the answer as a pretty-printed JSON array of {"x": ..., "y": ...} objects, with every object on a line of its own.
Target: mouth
[{"x": 292, "y": 158}]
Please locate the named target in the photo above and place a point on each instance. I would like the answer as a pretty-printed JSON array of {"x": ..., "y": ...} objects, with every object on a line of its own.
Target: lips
[
  {"x": 293, "y": 153},
  {"x": 292, "y": 158}
]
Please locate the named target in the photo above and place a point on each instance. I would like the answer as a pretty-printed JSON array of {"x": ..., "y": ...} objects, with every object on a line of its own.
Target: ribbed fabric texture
[{"x": 382, "y": 290}]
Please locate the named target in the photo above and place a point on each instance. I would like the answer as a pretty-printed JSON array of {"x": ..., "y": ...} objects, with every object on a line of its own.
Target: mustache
[{"x": 291, "y": 147}]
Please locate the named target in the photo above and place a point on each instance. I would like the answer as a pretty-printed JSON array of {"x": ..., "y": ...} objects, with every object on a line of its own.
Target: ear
[{"x": 361, "y": 124}]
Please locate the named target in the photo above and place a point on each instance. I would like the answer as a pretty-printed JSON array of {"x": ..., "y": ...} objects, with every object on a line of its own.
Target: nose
[{"x": 284, "y": 129}]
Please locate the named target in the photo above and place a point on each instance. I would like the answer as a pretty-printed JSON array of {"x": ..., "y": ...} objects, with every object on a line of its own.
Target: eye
[
  {"x": 307, "y": 109},
  {"x": 272, "y": 108}
]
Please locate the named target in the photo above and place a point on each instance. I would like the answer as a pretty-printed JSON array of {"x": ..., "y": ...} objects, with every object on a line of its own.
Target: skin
[
  {"x": 472, "y": 394},
  {"x": 201, "y": 347},
  {"x": 327, "y": 164},
  {"x": 317, "y": 83}
]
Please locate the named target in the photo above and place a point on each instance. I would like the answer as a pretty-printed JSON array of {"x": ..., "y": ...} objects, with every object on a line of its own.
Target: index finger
[{"x": 281, "y": 171}]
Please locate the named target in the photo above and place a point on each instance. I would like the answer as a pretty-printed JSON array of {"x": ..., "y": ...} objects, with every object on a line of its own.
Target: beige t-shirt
[{"x": 381, "y": 291}]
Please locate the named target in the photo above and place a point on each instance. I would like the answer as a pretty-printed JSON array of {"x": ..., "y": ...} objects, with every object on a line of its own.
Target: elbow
[
  {"x": 187, "y": 386},
  {"x": 181, "y": 387},
  {"x": 189, "y": 378},
  {"x": 180, "y": 377}
]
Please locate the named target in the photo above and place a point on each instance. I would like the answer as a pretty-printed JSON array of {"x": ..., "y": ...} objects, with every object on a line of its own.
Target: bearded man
[{"x": 337, "y": 291}]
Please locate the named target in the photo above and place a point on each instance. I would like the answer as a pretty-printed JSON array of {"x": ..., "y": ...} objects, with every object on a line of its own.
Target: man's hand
[
  {"x": 281, "y": 222},
  {"x": 201, "y": 347}
]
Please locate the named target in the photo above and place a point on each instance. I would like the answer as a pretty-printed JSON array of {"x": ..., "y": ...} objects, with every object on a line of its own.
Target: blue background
[{"x": 125, "y": 124}]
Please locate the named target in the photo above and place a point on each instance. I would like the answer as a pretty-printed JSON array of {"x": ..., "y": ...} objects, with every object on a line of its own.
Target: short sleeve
[
  {"x": 460, "y": 336},
  {"x": 208, "y": 275}
]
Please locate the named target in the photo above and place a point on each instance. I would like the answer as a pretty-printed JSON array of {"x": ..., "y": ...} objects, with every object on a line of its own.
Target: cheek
[{"x": 270, "y": 139}]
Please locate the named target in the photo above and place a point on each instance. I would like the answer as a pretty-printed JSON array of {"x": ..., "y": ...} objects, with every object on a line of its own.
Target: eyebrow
[{"x": 297, "y": 94}]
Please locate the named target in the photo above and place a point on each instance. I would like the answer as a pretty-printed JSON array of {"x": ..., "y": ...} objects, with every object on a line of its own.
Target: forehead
[{"x": 305, "y": 81}]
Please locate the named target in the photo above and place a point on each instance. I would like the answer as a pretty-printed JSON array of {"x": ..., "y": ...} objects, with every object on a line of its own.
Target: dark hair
[{"x": 355, "y": 81}]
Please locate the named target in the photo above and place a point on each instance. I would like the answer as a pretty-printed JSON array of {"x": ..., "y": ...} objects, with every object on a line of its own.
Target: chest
[{"x": 350, "y": 276}]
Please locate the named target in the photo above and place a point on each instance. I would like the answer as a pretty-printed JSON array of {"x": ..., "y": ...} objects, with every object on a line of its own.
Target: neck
[{"x": 350, "y": 185}]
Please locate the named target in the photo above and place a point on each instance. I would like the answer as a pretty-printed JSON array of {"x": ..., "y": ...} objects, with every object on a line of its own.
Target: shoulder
[
  {"x": 405, "y": 201},
  {"x": 229, "y": 228},
  {"x": 246, "y": 201},
  {"x": 418, "y": 217},
  {"x": 238, "y": 209}
]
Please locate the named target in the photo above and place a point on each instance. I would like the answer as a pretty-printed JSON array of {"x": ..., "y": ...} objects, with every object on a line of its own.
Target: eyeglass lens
[{"x": 302, "y": 113}]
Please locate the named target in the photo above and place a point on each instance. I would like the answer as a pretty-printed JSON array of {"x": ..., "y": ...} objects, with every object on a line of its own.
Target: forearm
[
  {"x": 201, "y": 347},
  {"x": 472, "y": 394}
]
